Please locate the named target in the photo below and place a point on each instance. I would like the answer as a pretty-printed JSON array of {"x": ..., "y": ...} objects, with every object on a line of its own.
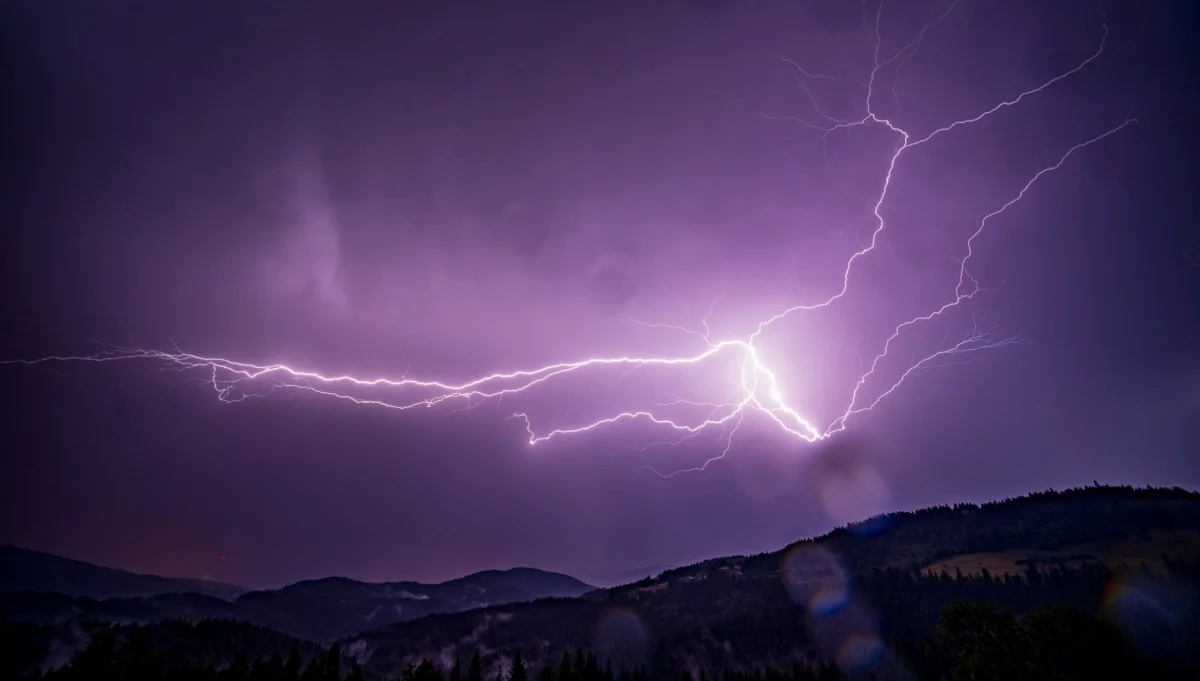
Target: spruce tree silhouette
[
  {"x": 475, "y": 670},
  {"x": 564, "y": 669},
  {"x": 517, "y": 670}
]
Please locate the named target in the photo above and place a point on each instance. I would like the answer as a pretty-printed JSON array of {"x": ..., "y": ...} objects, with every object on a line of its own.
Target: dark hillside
[
  {"x": 863, "y": 582},
  {"x": 886, "y": 597},
  {"x": 26, "y": 570}
]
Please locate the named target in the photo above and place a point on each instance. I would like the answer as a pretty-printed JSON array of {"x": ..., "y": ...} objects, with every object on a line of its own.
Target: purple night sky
[{"x": 441, "y": 191}]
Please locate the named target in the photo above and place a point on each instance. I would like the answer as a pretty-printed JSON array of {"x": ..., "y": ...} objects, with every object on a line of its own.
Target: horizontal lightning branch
[{"x": 757, "y": 386}]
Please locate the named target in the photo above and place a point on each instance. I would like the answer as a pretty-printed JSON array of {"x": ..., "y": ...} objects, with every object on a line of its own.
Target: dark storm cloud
[{"x": 377, "y": 187}]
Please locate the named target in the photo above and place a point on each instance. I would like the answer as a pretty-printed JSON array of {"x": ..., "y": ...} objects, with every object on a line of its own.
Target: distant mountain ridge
[
  {"x": 28, "y": 570},
  {"x": 336, "y": 606},
  {"x": 46, "y": 588}
]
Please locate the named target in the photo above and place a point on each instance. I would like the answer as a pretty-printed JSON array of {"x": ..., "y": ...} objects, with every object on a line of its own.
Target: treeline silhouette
[
  {"x": 975, "y": 642},
  {"x": 937, "y": 627}
]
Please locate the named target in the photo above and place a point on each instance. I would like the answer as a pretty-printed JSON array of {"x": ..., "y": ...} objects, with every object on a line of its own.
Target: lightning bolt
[{"x": 758, "y": 387}]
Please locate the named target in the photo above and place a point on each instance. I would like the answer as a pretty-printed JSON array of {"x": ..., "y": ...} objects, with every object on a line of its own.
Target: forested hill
[
  {"x": 1107, "y": 524},
  {"x": 1096, "y": 522},
  {"x": 884, "y": 580}
]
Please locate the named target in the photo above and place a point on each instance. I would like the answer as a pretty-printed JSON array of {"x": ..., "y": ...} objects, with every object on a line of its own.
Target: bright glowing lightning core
[{"x": 759, "y": 388}]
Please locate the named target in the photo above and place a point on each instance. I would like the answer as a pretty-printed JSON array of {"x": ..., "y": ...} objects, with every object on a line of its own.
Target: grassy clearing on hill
[{"x": 1129, "y": 551}]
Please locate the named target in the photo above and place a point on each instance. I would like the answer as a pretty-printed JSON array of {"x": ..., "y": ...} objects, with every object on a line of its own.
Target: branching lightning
[{"x": 759, "y": 388}]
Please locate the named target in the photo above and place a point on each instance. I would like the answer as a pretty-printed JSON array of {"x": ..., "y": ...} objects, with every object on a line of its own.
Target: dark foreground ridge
[{"x": 1098, "y": 582}]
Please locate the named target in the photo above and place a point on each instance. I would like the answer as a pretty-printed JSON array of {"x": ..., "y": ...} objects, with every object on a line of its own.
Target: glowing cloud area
[{"x": 757, "y": 387}]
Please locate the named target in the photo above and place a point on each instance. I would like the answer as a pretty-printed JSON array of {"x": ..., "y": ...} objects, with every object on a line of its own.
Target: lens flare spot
[
  {"x": 621, "y": 629},
  {"x": 815, "y": 580},
  {"x": 859, "y": 652}
]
